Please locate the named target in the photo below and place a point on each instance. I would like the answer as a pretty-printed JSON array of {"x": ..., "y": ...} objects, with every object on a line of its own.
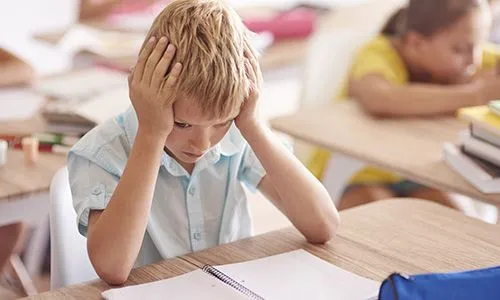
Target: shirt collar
[{"x": 230, "y": 144}]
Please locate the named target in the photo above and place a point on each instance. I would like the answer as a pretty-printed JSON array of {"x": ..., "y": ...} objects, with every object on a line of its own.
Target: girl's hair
[{"x": 429, "y": 16}]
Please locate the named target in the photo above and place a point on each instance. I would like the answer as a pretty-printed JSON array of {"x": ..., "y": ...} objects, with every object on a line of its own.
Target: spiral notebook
[{"x": 293, "y": 275}]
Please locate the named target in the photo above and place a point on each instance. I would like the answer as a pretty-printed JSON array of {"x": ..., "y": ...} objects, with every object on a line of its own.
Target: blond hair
[{"x": 211, "y": 40}]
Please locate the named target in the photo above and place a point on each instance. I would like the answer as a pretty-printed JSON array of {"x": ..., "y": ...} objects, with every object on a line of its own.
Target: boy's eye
[{"x": 181, "y": 125}]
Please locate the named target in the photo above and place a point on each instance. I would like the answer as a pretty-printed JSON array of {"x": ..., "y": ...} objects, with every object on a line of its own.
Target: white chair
[
  {"x": 329, "y": 57},
  {"x": 70, "y": 263}
]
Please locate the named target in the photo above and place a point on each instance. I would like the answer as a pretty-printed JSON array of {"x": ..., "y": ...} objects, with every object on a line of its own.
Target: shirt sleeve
[
  {"x": 251, "y": 170},
  {"x": 91, "y": 188},
  {"x": 491, "y": 54},
  {"x": 371, "y": 62}
]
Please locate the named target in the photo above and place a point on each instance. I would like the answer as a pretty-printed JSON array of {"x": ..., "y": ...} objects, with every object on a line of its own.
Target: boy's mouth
[{"x": 193, "y": 155}]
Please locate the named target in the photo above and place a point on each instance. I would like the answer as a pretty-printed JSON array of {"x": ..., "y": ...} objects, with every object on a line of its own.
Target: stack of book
[
  {"x": 83, "y": 99},
  {"x": 477, "y": 157}
]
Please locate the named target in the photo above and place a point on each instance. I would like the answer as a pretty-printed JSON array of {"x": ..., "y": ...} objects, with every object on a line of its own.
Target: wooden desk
[
  {"x": 404, "y": 235},
  {"x": 23, "y": 188},
  {"x": 166, "y": 269},
  {"x": 24, "y": 198},
  {"x": 410, "y": 147},
  {"x": 19, "y": 180}
]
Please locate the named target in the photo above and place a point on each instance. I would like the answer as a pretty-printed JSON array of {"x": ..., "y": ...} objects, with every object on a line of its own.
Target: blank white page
[
  {"x": 193, "y": 285},
  {"x": 300, "y": 275},
  {"x": 105, "y": 106},
  {"x": 82, "y": 84},
  {"x": 19, "y": 104}
]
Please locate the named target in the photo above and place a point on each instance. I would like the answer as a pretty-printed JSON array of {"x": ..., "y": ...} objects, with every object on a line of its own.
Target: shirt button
[
  {"x": 192, "y": 190},
  {"x": 197, "y": 236},
  {"x": 96, "y": 191}
]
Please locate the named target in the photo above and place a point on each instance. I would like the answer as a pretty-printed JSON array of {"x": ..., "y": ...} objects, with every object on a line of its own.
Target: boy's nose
[{"x": 201, "y": 143}]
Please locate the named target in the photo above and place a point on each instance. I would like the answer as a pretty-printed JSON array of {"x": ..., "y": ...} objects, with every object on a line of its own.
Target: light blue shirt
[{"x": 189, "y": 212}]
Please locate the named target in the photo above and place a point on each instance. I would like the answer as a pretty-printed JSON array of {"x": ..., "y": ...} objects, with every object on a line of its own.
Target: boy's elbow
[
  {"x": 112, "y": 276},
  {"x": 111, "y": 271},
  {"x": 325, "y": 231}
]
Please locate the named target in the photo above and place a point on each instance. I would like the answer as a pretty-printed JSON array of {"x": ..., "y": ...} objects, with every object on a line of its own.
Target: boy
[{"x": 165, "y": 178}]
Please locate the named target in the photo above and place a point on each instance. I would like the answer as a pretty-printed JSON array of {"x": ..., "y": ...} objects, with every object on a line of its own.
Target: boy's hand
[
  {"x": 248, "y": 115},
  {"x": 150, "y": 93}
]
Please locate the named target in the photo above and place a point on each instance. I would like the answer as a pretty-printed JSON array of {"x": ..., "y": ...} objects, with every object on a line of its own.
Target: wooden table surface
[
  {"x": 407, "y": 235},
  {"x": 410, "y": 147},
  {"x": 166, "y": 269},
  {"x": 18, "y": 179},
  {"x": 403, "y": 235}
]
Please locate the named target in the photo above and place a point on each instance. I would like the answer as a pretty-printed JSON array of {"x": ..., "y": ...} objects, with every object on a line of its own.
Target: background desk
[{"x": 410, "y": 147}]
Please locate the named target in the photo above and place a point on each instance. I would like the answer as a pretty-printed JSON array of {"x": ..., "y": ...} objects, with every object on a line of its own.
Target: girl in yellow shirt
[{"x": 430, "y": 59}]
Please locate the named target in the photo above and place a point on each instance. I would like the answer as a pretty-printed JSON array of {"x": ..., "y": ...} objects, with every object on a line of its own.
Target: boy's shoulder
[{"x": 108, "y": 145}]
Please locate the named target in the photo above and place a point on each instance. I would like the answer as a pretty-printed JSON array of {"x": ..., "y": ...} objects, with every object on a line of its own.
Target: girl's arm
[{"x": 384, "y": 99}]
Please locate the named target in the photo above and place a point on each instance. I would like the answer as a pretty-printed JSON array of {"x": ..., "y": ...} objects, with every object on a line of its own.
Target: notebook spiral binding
[{"x": 231, "y": 282}]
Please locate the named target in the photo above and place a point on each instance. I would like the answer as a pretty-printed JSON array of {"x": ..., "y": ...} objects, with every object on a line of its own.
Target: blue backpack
[{"x": 481, "y": 284}]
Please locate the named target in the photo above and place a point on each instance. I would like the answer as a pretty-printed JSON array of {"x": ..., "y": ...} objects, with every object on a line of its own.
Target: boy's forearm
[
  {"x": 299, "y": 191},
  {"x": 115, "y": 239}
]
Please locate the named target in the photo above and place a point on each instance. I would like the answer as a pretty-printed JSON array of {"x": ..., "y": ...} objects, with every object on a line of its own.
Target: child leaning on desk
[
  {"x": 166, "y": 177},
  {"x": 430, "y": 59}
]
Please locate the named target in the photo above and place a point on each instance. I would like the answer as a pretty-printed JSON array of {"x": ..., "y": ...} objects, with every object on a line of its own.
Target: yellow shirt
[{"x": 379, "y": 57}]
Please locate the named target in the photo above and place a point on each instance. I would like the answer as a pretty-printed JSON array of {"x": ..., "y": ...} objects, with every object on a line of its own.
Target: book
[
  {"x": 481, "y": 116},
  {"x": 480, "y": 148},
  {"x": 22, "y": 104},
  {"x": 94, "y": 110},
  {"x": 101, "y": 108},
  {"x": 478, "y": 172},
  {"x": 485, "y": 135},
  {"x": 105, "y": 44},
  {"x": 293, "y": 275},
  {"x": 80, "y": 85},
  {"x": 494, "y": 107}
]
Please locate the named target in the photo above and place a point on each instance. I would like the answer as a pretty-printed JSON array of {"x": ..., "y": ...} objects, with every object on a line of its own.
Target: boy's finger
[
  {"x": 153, "y": 59},
  {"x": 250, "y": 71},
  {"x": 143, "y": 57},
  {"x": 253, "y": 60},
  {"x": 255, "y": 65},
  {"x": 161, "y": 68},
  {"x": 172, "y": 77}
]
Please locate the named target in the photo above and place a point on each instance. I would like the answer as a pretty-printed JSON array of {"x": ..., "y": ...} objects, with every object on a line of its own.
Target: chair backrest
[
  {"x": 333, "y": 46},
  {"x": 70, "y": 263},
  {"x": 331, "y": 51}
]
